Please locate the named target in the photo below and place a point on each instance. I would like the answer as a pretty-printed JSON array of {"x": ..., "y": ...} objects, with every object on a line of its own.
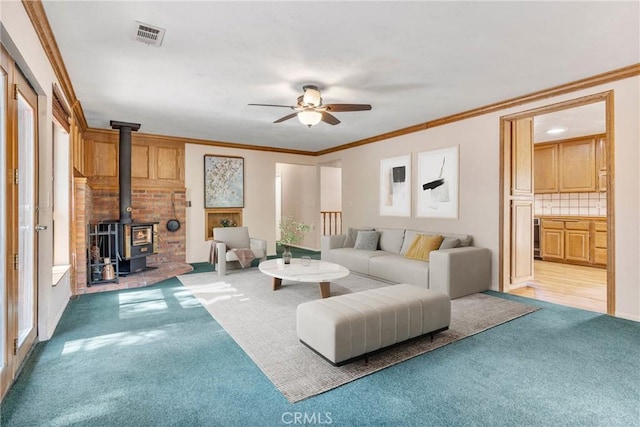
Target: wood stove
[{"x": 136, "y": 240}]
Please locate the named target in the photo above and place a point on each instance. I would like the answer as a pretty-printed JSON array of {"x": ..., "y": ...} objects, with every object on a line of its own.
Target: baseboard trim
[{"x": 628, "y": 316}]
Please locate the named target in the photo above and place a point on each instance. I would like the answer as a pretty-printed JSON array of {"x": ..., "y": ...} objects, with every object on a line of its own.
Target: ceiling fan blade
[
  {"x": 347, "y": 107},
  {"x": 272, "y": 105},
  {"x": 287, "y": 117},
  {"x": 328, "y": 118}
]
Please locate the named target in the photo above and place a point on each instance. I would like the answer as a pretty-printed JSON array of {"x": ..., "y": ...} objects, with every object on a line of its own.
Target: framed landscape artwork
[
  {"x": 223, "y": 182},
  {"x": 437, "y": 188},
  {"x": 395, "y": 186}
]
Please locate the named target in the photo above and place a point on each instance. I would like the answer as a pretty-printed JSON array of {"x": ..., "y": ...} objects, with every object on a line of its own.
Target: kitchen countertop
[{"x": 570, "y": 217}]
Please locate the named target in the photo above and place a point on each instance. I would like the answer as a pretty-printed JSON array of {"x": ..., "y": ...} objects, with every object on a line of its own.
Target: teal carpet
[{"x": 155, "y": 357}]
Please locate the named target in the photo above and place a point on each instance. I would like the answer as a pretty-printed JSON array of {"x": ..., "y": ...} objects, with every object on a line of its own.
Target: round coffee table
[{"x": 316, "y": 271}]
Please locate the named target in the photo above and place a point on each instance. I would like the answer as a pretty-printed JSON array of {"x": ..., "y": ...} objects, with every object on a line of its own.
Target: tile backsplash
[{"x": 579, "y": 204}]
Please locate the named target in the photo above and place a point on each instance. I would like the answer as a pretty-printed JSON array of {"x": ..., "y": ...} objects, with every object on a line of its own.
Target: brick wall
[
  {"x": 149, "y": 206},
  {"x": 95, "y": 205},
  {"x": 82, "y": 213}
]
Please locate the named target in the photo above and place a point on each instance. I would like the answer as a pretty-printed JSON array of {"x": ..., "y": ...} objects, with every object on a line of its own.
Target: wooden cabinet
[
  {"x": 545, "y": 164},
  {"x": 571, "y": 166},
  {"x": 156, "y": 162},
  {"x": 552, "y": 240},
  {"x": 601, "y": 164},
  {"x": 577, "y": 165},
  {"x": 575, "y": 240},
  {"x": 599, "y": 253}
]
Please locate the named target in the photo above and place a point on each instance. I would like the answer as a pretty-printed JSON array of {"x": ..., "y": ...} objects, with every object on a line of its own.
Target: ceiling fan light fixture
[
  {"x": 310, "y": 111},
  {"x": 309, "y": 117},
  {"x": 311, "y": 96}
]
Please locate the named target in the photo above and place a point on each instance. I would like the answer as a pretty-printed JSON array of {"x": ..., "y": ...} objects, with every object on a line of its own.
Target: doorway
[
  {"x": 578, "y": 217},
  {"x": 331, "y": 198},
  {"x": 296, "y": 196},
  {"x": 19, "y": 247}
]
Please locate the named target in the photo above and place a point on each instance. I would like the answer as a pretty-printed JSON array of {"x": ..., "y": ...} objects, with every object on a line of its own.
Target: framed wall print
[
  {"x": 395, "y": 186},
  {"x": 437, "y": 189},
  {"x": 223, "y": 182}
]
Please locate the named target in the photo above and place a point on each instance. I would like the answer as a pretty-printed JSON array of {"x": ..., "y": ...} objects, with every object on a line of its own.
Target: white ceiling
[
  {"x": 412, "y": 61},
  {"x": 587, "y": 119}
]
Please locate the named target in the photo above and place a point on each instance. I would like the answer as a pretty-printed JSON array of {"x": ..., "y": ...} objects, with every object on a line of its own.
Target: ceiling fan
[{"x": 310, "y": 109}]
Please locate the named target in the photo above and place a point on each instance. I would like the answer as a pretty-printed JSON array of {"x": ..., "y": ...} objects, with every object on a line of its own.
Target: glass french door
[
  {"x": 4, "y": 336},
  {"x": 18, "y": 219},
  {"x": 27, "y": 218}
]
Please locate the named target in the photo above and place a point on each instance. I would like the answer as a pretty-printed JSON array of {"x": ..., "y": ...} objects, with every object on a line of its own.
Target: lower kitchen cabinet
[
  {"x": 576, "y": 238},
  {"x": 576, "y": 241},
  {"x": 552, "y": 240},
  {"x": 600, "y": 243}
]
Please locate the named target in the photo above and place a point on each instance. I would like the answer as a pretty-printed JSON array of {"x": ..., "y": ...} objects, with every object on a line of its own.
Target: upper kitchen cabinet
[
  {"x": 577, "y": 166},
  {"x": 601, "y": 163},
  {"x": 570, "y": 166},
  {"x": 545, "y": 165}
]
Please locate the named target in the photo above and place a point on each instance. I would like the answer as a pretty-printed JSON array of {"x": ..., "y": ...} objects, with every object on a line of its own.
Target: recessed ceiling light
[{"x": 554, "y": 131}]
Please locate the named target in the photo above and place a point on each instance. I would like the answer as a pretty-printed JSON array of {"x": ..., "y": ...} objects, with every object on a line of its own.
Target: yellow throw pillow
[{"x": 422, "y": 245}]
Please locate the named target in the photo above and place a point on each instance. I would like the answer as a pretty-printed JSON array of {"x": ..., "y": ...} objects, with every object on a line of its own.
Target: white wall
[
  {"x": 479, "y": 141},
  {"x": 259, "y": 194},
  {"x": 24, "y": 46}
]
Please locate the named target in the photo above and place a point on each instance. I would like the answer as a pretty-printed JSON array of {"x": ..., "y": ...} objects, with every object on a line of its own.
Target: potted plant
[
  {"x": 226, "y": 222},
  {"x": 291, "y": 232}
]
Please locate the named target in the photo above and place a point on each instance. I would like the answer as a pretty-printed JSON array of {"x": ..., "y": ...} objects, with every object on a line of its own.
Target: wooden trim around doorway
[{"x": 505, "y": 186}]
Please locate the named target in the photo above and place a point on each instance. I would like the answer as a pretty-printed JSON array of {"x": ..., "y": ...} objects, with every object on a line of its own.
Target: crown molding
[
  {"x": 40, "y": 23},
  {"x": 599, "y": 79},
  {"x": 150, "y": 138}
]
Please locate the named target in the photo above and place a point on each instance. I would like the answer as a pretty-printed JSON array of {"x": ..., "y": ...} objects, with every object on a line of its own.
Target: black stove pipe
[{"x": 124, "y": 168}]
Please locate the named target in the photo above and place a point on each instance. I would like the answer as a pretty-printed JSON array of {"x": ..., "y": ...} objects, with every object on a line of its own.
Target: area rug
[{"x": 263, "y": 323}]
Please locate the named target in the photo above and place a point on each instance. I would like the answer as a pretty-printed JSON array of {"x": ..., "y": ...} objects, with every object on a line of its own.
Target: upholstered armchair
[{"x": 233, "y": 248}]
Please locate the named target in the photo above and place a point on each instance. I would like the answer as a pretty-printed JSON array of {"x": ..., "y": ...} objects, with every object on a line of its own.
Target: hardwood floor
[{"x": 571, "y": 285}]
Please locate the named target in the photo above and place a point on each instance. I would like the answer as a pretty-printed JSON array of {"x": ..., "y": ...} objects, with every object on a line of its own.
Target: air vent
[{"x": 149, "y": 34}]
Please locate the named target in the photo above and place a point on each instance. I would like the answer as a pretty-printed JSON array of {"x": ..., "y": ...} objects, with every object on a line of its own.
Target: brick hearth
[
  {"x": 93, "y": 205},
  {"x": 148, "y": 277}
]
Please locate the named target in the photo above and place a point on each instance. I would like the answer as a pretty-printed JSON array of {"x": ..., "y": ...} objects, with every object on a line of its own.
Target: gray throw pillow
[
  {"x": 449, "y": 243},
  {"x": 391, "y": 239},
  {"x": 352, "y": 234},
  {"x": 367, "y": 240}
]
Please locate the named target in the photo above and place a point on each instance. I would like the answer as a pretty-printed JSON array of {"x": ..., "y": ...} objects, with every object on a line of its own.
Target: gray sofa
[{"x": 458, "y": 270}]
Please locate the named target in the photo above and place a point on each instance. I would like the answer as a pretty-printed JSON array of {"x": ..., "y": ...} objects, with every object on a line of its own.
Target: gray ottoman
[{"x": 346, "y": 327}]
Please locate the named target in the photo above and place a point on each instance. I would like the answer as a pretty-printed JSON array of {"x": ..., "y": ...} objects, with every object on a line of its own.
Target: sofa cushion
[
  {"x": 352, "y": 234},
  {"x": 398, "y": 269},
  {"x": 367, "y": 240},
  {"x": 409, "y": 235},
  {"x": 449, "y": 243},
  {"x": 356, "y": 260},
  {"x": 422, "y": 246},
  {"x": 391, "y": 239},
  {"x": 465, "y": 239}
]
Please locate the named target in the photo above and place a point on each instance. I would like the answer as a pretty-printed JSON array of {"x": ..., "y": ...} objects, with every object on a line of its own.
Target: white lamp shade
[
  {"x": 311, "y": 97},
  {"x": 309, "y": 117}
]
